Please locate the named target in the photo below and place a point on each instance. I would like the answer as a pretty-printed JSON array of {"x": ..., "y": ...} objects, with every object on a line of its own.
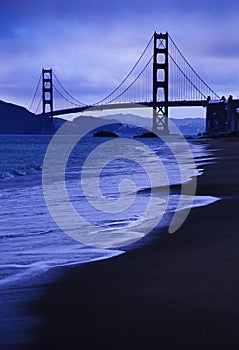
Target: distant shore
[{"x": 182, "y": 289}]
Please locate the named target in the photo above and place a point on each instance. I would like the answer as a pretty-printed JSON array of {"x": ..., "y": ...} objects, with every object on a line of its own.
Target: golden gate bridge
[{"x": 161, "y": 78}]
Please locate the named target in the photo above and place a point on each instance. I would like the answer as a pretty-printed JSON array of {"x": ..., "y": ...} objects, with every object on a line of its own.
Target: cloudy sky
[{"x": 91, "y": 45}]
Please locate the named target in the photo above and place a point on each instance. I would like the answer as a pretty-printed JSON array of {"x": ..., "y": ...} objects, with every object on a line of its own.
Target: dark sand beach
[{"x": 180, "y": 291}]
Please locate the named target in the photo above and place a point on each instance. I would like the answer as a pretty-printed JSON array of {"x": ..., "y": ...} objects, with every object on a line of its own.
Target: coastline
[{"x": 182, "y": 288}]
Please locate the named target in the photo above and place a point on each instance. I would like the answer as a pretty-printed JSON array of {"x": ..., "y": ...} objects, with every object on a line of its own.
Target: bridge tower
[
  {"x": 47, "y": 91},
  {"x": 160, "y": 83}
]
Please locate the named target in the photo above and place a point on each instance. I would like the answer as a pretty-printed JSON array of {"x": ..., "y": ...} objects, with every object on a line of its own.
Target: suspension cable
[
  {"x": 77, "y": 101},
  {"x": 127, "y": 76},
  {"x": 38, "y": 84},
  {"x": 132, "y": 83},
  {"x": 38, "y": 105},
  {"x": 65, "y": 98},
  {"x": 193, "y": 70},
  {"x": 185, "y": 76}
]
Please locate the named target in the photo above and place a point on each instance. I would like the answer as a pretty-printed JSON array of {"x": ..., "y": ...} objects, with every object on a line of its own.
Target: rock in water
[{"x": 105, "y": 133}]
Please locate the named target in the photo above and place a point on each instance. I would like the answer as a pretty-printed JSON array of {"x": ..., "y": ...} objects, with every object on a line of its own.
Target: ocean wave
[
  {"x": 15, "y": 272},
  {"x": 15, "y": 173},
  {"x": 29, "y": 234}
]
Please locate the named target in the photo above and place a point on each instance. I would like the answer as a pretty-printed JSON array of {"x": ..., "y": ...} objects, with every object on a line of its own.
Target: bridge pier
[
  {"x": 47, "y": 100},
  {"x": 47, "y": 91},
  {"x": 160, "y": 83}
]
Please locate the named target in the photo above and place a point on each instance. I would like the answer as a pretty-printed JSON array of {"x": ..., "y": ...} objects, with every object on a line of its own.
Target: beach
[{"x": 180, "y": 290}]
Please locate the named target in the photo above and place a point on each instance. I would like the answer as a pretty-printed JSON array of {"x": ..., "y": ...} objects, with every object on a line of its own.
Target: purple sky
[{"x": 90, "y": 42}]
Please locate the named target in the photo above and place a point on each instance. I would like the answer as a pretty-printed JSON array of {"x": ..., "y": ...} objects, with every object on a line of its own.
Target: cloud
[{"x": 93, "y": 44}]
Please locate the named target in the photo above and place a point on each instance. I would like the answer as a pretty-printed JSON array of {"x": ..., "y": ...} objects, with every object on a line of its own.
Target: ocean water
[{"x": 31, "y": 242}]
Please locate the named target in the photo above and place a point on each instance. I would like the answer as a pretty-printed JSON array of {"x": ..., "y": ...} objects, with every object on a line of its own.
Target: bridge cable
[
  {"x": 65, "y": 98},
  {"x": 137, "y": 77},
  {"x": 38, "y": 84},
  {"x": 127, "y": 76},
  {"x": 38, "y": 105},
  {"x": 188, "y": 79},
  {"x": 77, "y": 101},
  {"x": 193, "y": 70}
]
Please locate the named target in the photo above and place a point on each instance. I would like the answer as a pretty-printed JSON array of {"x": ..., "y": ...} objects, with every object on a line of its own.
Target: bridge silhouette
[{"x": 161, "y": 78}]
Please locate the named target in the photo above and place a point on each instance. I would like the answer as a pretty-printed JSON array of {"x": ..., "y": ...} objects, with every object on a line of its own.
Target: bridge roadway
[{"x": 196, "y": 103}]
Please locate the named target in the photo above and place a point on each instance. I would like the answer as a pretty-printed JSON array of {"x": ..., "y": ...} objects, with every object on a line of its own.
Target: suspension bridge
[{"x": 161, "y": 78}]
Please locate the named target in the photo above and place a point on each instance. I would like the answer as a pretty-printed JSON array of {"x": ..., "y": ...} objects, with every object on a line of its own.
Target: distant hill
[
  {"x": 82, "y": 123},
  {"x": 190, "y": 126},
  {"x": 15, "y": 119},
  {"x": 94, "y": 122},
  {"x": 131, "y": 119},
  {"x": 187, "y": 126}
]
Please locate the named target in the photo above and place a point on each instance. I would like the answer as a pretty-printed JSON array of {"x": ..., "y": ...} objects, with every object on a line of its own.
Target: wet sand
[{"x": 179, "y": 291}]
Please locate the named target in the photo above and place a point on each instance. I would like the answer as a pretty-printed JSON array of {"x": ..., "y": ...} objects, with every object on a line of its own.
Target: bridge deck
[{"x": 196, "y": 103}]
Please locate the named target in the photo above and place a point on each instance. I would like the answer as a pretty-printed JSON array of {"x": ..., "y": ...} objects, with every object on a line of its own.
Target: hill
[{"x": 15, "y": 119}]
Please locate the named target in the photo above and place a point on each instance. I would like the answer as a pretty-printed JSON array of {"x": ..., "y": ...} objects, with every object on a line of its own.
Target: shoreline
[{"x": 182, "y": 288}]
